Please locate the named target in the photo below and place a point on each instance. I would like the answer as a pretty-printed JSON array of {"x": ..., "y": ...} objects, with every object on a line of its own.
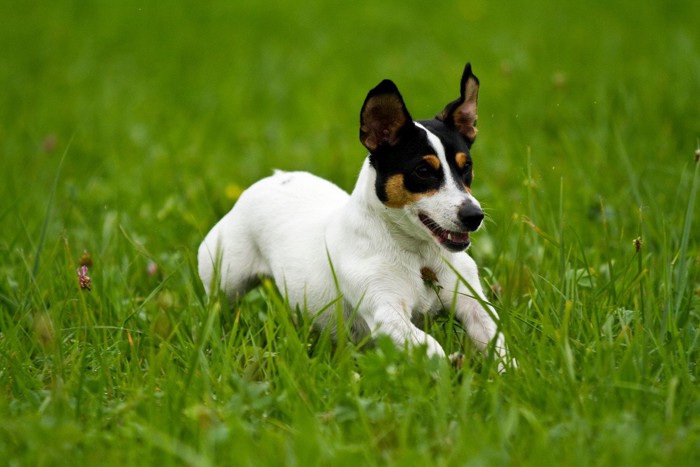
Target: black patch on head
[
  {"x": 398, "y": 148},
  {"x": 406, "y": 158},
  {"x": 453, "y": 143}
]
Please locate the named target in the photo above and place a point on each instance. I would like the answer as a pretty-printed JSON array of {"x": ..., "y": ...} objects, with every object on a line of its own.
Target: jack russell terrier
[{"x": 392, "y": 251}]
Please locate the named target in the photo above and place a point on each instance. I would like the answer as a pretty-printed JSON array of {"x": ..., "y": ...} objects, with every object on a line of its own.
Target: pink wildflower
[
  {"x": 83, "y": 278},
  {"x": 152, "y": 268},
  {"x": 49, "y": 143}
]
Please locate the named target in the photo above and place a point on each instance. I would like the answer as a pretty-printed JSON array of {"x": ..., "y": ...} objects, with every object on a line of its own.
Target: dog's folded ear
[
  {"x": 462, "y": 113},
  {"x": 383, "y": 117}
]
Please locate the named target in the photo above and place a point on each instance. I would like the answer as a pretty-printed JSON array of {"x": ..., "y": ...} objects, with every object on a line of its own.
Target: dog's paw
[
  {"x": 508, "y": 365},
  {"x": 457, "y": 360}
]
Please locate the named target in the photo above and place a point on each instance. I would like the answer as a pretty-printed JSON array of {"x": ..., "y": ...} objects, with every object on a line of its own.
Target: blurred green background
[
  {"x": 174, "y": 100},
  {"x": 127, "y": 128}
]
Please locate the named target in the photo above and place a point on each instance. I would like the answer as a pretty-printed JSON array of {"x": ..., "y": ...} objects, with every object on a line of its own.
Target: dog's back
[{"x": 275, "y": 229}]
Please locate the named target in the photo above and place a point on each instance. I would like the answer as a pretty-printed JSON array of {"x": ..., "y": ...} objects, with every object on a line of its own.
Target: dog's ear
[
  {"x": 462, "y": 113},
  {"x": 383, "y": 116}
]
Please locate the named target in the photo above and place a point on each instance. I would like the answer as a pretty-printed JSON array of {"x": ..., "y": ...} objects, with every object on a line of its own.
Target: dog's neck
[
  {"x": 404, "y": 233},
  {"x": 364, "y": 193}
]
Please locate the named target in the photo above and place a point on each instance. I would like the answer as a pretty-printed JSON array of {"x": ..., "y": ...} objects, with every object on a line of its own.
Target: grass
[{"x": 127, "y": 130}]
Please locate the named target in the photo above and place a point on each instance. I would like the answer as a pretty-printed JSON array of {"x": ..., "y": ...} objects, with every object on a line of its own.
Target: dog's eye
[
  {"x": 467, "y": 175},
  {"x": 424, "y": 171}
]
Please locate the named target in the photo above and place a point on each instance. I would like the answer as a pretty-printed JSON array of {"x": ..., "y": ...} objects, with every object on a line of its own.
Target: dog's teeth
[{"x": 449, "y": 236}]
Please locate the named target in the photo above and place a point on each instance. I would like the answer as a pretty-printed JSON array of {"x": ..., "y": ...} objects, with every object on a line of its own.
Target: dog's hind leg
[{"x": 229, "y": 261}]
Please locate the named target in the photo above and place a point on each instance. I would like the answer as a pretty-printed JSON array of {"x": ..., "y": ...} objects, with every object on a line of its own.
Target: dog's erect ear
[
  {"x": 383, "y": 116},
  {"x": 462, "y": 113}
]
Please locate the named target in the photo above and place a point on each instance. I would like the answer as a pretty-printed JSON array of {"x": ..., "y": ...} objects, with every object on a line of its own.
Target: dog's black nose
[{"x": 470, "y": 216}]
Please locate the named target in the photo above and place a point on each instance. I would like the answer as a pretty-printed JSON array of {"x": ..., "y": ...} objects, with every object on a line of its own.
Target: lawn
[{"x": 127, "y": 129}]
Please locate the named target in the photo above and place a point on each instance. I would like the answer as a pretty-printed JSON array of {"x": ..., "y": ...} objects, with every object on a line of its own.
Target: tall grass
[{"x": 127, "y": 130}]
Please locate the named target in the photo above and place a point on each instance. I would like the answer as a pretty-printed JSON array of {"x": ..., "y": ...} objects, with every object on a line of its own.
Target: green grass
[{"x": 127, "y": 128}]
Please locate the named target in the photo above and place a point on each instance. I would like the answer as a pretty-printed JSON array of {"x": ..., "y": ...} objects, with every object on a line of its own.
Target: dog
[{"x": 391, "y": 251}]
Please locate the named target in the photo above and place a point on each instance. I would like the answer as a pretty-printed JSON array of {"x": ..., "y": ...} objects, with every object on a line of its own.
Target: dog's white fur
[{"x": 306, "y": 234}]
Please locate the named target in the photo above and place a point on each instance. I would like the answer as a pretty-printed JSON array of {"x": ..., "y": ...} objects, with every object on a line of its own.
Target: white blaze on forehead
[
  {"x": 440, "y": 152},
  {"x": 435, "y": 143}
]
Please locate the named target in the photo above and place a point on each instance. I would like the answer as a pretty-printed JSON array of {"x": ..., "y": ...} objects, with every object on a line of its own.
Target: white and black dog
[{"x": 383, "y": 249}]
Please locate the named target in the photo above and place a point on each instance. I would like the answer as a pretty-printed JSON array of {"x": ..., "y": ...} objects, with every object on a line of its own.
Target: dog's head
[{"x": 425, "y": 167}]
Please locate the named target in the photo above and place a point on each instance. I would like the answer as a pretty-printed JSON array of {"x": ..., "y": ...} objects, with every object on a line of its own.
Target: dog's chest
[{"x": 424, "y": 297}]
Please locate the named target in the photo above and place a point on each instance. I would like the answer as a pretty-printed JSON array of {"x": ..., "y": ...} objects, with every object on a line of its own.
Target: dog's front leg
[
  {"x": 479, "y": 320},
  {"x": 394, "y": 321}
]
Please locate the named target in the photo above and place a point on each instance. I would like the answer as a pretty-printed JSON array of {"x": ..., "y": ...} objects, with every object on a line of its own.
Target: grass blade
[{"x": 47, "y": 215}]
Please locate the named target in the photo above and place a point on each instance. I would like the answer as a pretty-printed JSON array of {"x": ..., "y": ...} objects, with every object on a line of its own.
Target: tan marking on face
[
  {"x": 461, "y": 159},
  {"x": 397, "y": 194},
  {"x": 433, "y": 161}
]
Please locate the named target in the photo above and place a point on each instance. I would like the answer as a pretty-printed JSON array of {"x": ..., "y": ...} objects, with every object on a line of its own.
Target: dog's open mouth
[{"x": 454, "y": 241}]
